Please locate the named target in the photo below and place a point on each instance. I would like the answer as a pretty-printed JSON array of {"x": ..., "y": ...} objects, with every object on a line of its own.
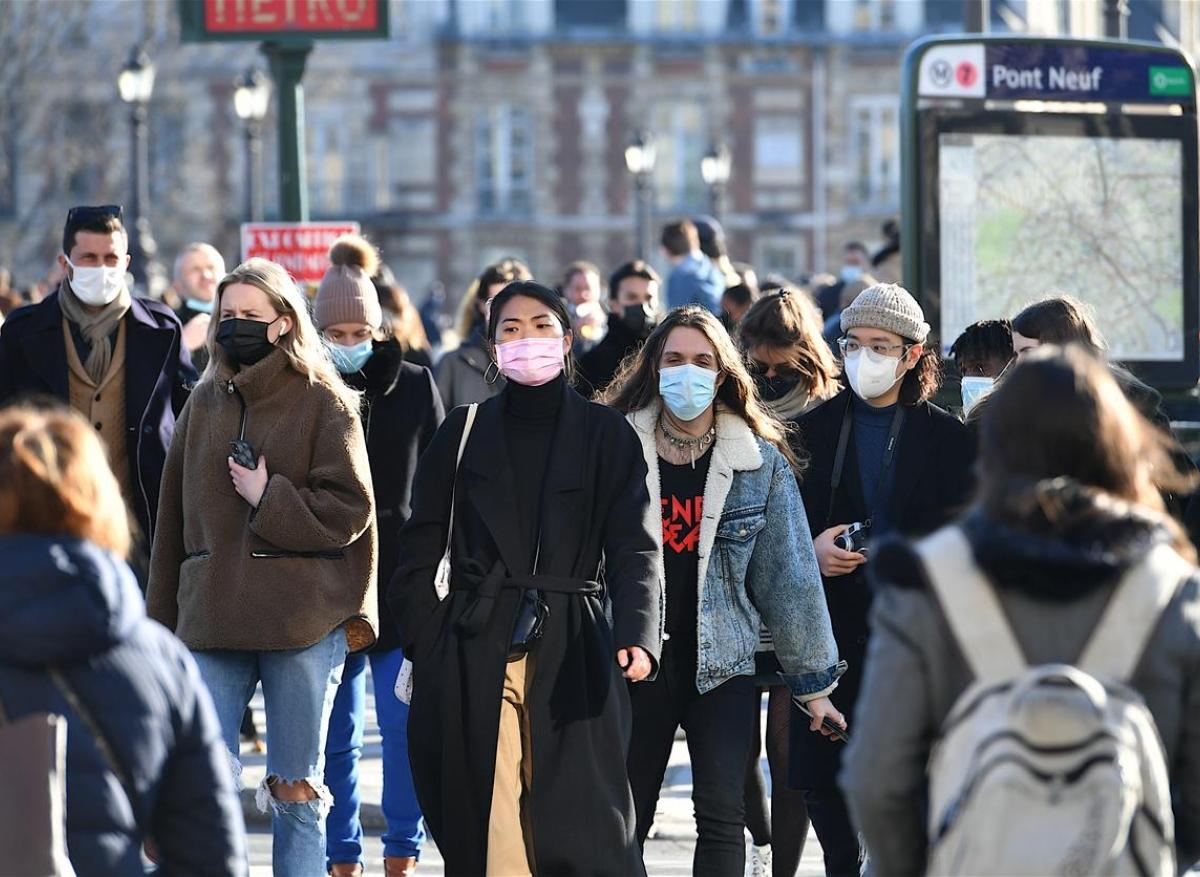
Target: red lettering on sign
[
  {"x": 253, "y": 16},
  {"x": 301, "y": 248}
]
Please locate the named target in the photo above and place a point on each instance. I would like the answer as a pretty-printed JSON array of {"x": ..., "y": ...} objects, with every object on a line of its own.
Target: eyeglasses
[
  {"x": 849, "y": 345},
  {"x": 88, "y": 213}
]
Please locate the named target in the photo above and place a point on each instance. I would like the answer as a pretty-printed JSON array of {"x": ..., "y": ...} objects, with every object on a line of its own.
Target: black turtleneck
[{"x": 530, "y": 418}]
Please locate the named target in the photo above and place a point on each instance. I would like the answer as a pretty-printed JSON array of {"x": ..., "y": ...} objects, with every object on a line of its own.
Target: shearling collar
[
  {"x": 256, "y": 381},
  {"x": 735, "y": 440}
]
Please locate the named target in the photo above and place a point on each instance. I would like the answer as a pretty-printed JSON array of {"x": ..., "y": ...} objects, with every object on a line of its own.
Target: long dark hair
[
  {"x": 1060, "y": 320},
  {"x": 1060, "y": 414},
  {"x": 636, "y": 384},
  {"x": 543, "y": 294}
]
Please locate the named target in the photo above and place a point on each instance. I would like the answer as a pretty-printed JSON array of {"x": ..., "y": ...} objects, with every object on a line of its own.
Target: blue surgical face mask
[
  {"x": 687, "y": 390},
  {"x": 973, "y": 390},
  {"x": 350, "y": 359},
  {"x": 851, "y": 273},
  {"x": 200, "y": 307}
]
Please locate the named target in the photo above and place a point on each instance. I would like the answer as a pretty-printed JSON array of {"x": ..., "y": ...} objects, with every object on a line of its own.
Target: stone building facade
[{"x": 485, "y": 128}]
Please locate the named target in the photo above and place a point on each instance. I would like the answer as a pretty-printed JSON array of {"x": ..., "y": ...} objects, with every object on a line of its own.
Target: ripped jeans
[{"x": 299, "y": 687}]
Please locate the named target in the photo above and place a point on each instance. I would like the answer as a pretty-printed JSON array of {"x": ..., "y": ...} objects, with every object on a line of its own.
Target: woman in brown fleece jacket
[{"x": 268, "y": 573}]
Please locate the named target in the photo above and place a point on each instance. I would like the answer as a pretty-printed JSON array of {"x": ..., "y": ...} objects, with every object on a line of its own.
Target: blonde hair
[
  {"x": 303, "y": 346},
  {"x": 54, "y": 479}
]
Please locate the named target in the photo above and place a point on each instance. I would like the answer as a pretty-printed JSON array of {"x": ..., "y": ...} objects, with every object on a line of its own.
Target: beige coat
[{"x": 225, "y": 576}]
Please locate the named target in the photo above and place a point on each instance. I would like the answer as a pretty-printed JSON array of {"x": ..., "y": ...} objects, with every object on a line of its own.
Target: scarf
[
  {"x": 96, "y": 328},
  {"x": 792, "y": 404}
]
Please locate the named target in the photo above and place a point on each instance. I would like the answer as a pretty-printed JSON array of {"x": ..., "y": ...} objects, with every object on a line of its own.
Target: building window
[
  {"x": 8, "y": 162},
  {"x": 875, "y": 146},
  {"x": 772, "y": 17},
  {"x": 677, "y": 15},
  {"x": 778, "y": 151},
  {"x": 680, "y": 138},
  {"x": 875, "y": 15},
  {"x": 779, "y": 256},
  {"x": 327, "y": 166},
  {"x": 504, "y": 160}
]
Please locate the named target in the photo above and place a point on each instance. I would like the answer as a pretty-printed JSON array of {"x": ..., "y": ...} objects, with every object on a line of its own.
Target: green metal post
[{"x": 287, "y": 69}]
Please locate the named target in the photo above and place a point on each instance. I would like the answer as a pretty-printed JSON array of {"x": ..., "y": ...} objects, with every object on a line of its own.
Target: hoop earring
[{"x": 488, "y": 371}]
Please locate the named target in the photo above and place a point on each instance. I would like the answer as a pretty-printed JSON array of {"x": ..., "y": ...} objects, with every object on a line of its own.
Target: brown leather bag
[{"x": 33, "y": 796}]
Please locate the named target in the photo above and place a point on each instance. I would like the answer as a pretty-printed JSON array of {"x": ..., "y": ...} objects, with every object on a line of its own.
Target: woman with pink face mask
[{"x": 520, "y": 713}]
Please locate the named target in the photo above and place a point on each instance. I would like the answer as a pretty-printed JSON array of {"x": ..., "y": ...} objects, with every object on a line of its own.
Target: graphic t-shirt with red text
[{"x": 682, "y": 505}]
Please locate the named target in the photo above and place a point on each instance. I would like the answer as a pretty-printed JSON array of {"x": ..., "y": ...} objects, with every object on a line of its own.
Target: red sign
[
  {"x": 300, "y": 247},
  {"x": 293, "y": 16}
]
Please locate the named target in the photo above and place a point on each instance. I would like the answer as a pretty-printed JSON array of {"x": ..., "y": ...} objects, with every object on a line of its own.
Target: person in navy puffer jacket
[{"x": 69, "y": 601}]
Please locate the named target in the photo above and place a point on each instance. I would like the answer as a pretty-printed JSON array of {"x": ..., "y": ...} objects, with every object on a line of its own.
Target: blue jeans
[
  {"x": 299, "y": 687},
  {"x": 404, "y": 834}
]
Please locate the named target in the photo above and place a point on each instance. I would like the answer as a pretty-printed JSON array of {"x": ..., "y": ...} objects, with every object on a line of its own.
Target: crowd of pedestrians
[{"x": 607, "y": 513}]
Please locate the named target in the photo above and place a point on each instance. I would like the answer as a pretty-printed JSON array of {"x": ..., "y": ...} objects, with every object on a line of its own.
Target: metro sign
[{"x": 283, "y": 20}]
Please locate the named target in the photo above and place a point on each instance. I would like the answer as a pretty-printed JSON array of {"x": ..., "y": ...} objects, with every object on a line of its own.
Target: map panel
[{"x": 1097, "y": 218}]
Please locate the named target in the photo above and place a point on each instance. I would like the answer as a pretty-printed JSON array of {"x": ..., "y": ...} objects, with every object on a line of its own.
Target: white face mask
[
  {"x": 870, "y": 374},
  {"x": 973, "y": 391},
  {"x": 97, "y": 286}
]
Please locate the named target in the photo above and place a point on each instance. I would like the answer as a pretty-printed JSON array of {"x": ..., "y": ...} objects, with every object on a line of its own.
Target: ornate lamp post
[
  {"x": 251, "y": 98},
  {"x": 639, "y": 159},
  {"x": 135, "y": 85},
  {"x": 715, "y": 168}
]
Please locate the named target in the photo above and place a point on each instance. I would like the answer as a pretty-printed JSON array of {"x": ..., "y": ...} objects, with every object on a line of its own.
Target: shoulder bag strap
[
  {"x": 106, "y": 751},
  {"x": 462, "y": 446},
  {"x": 971, "y": 607},
  {"x": 1133, "y": 611}
]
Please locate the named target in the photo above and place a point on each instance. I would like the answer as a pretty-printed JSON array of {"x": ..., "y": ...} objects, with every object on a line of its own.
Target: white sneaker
[{"x": 758, "y": 860}]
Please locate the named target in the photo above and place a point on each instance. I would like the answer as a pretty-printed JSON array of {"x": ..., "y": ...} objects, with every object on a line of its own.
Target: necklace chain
[{"x": 688, "y": 445}]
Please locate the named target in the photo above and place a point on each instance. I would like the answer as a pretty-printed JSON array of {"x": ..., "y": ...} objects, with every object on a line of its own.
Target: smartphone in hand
[{"x": 835, "y": 730}]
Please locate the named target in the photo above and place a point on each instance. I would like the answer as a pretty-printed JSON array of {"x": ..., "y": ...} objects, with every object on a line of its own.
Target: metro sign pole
[{"x": 287, "y": 29}]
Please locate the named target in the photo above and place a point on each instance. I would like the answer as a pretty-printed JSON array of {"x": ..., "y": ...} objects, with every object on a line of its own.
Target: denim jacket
[{"x": 756, "y": 562}]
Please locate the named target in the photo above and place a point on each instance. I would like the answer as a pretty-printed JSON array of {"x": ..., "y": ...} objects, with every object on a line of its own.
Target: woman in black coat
[
  {"x": 545, "y": 789},
  {"x": 913, "y": 490}
]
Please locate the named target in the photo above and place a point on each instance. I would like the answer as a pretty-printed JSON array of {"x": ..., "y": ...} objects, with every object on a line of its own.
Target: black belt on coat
[{"x": 469, "y": 576}]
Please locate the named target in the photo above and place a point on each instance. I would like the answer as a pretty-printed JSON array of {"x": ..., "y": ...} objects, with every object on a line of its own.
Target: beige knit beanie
[
  {"x": 346, "y": 293},
  {"x": 890, "y": 307}
]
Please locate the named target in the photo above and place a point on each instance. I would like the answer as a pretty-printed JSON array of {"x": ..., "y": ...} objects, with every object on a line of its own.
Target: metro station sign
[{"x": 282, "y": 20}]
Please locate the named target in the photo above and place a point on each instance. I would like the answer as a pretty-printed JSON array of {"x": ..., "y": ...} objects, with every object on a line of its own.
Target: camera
[{"x": 855, "y": 537}]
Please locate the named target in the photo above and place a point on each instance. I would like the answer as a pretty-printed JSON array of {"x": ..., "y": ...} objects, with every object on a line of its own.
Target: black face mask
[
  {"x": 245, "y": 341},
  {"x": 638, "y": 321},
  {"x": 774, "y": 389}
]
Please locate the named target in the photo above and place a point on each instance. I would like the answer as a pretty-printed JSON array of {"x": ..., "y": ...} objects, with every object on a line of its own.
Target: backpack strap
[
  {"x": 971, "y": 607},
  {"x": 1132, "y": 613}
]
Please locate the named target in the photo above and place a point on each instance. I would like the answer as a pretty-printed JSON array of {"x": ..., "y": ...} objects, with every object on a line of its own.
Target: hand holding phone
[
  {"x": 243, "y": 454},
  {"x": 836, "y": 731}
]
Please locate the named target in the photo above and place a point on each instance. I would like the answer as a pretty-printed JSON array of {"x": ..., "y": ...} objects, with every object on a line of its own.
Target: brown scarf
[{"x": 96, "y": 328}]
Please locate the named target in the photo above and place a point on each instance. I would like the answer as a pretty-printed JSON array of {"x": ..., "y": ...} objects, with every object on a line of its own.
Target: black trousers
[
  {"x": 720, "y": 733},
  {"x": 839, "y": 840}
]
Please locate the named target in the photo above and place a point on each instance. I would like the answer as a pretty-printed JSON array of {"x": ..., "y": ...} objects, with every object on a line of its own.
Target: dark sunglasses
[
  {"x": 759, "y": 370},
  {"x": 88, "y": 213}
]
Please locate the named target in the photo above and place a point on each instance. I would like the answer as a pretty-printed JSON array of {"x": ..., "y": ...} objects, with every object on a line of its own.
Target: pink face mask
[{"x": 531, "y": 361}]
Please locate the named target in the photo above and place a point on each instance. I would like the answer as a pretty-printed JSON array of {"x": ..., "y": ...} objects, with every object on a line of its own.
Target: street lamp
[
  {"x": 639, "y": 159},
  {"x": 135, "y": 85},
  {"x": 715, "y": 168},
  {"x": 251, "y": 97}
]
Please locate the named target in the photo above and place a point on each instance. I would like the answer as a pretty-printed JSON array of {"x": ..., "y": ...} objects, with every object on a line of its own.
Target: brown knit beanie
[{"x": 346, "y": 293}]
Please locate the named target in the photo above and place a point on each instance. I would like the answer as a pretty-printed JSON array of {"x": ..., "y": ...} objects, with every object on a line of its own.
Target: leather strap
[{"x": 472, "y": 409}]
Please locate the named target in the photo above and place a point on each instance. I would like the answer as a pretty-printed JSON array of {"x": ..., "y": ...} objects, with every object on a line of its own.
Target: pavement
[{"x": 668, "y": 850}]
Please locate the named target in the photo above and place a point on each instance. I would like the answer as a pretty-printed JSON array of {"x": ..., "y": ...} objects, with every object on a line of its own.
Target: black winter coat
[
  {"x": 401, "y": 411},
  {"x": 68, "y": 604},
  {"x": 932, "y": 481},
  {"x": 599, "y": 365},
  {"x": 595, "y": 504},
  {"x": 158, "y": 377}
]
